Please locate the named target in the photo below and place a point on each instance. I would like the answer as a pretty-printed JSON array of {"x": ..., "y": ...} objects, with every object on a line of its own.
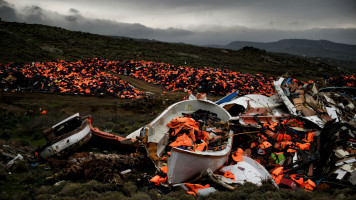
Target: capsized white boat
[
  {"x": 66, "y": 136},
  {"x": 254, "y": 109},
  {"x": 255, "y": 101},
  {"x": 183, "y": 164},
  {"x": 248, "y": 170},
  {"x": 239, "y": 105}
]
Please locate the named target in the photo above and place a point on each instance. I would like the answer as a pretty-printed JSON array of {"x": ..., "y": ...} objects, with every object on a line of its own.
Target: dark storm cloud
[
  {"x": 276, "y": 26},
  {"x": 34, "y": 14},
  {"x": 7, "y": 12},
  {"x": 74, "y": 15},
  {"x": 71, "y": 18},
  {"x": 74, "y": 11},
  {"x": 107, "y": 27}
]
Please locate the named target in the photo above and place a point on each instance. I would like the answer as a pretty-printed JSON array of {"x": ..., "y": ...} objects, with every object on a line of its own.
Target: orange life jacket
[
  {"x": 283, "y": 144},
  {"x": 237, "y": 156},
  {"x": 309, "y": 137},
  {"x": 277, "y": 174},
  {"x": 272, "y": 126},
  {"x": 304, "y": 146},
  {"x": 182, "y": 140},
  {"x": 228, "y": 174},
  {"x": 281, "y": 137},
  {"x": 200, "y": 147},
  {"x": 164, "y": 169},
  {"x": 262, "y": 136},
  {"x": 202, "y": 135},
  {"x": 158, "y": 179},
  {"x": 309, "y": 185},
  {"x": 265, "y": 145},
  {"x": 291, "y": 150},
  {"x": 297, "y": 179},
  {"x": 183, "y": 122},
  {"x": 195, "y": 187}
]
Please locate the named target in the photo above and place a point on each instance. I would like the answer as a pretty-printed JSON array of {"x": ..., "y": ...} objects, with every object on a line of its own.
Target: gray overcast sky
[{"x": 194, "y": 21}]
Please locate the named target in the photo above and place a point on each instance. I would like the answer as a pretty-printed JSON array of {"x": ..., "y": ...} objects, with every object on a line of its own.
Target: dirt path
[
  {"x": 157, "y": 89},
  {"x": 142, "y": 85},
  {"x": 150, "y": 87}
]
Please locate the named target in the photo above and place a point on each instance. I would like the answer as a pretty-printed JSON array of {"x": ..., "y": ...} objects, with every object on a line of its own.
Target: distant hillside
[
  {"x": 301, "y": 47},
  {"x": 30, "y": 42}
]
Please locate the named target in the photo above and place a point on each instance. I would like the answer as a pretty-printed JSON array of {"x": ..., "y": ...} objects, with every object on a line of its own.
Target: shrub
[
  {"x": 72, "y": 190},
  {"x": 140, "y": 196},
  {"x": 181, "y": 194},
  {"x": 23, "y": 195},
  {"x": 129, "y": 189},
  {"x": 267, "y": 195},
  {"x": 113, "y": 195},
  {"x": 99, "y": 187},
  {"x": 89, "y": 195},
  {"x": 43, "y": 190},
  {"x": 295, "y": 194}
]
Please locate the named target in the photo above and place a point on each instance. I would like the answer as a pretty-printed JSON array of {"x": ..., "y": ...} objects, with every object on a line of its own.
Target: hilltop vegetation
[{"x": 32, "y": 43}]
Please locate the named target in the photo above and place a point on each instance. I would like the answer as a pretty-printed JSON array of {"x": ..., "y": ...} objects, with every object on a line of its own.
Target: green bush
[
  {"x": 44, "y": 196},
  {"x": 89, "y": 195},
  {"x": 266, "y": 195},
  {"x": 43, "y": 190},
  {"x": 129, "y": 189},
  {"x": 99, "y": 187},
  {"x": 72, "y": 190},
  {"x": 140, "y": 196},
  {"x": 298, "y": 194},
  {"x": 113, "y": 195},
  {"x": 178, "y": 195},
  {"x": 22, "y": 195}
]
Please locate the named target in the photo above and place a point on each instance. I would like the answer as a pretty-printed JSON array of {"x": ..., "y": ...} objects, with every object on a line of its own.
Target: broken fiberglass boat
[
  {"x": 125, "y": 144},
  {"x": 70, "y": 134},
  {"x": 247, "y": 170},
  {"x": 255, "y": 109},
  {"x": 66, "y": 136},
  {"x": 183, "y": 164}
]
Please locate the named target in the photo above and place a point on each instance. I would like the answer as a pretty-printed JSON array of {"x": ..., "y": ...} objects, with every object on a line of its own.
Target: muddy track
[
  {"x": 150, "y": 87},
  {"x": 142, "y": 85},
  {"x": 157, "y": 89}
]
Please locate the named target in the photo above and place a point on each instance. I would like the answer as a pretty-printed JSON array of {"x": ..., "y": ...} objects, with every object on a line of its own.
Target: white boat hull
[
  {"x": 65, "y": 143},
  {"x": 184, "y": 164},
  {"x": 248, "y": 170}
]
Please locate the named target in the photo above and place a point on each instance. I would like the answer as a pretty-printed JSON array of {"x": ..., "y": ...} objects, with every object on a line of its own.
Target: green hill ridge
[{"x": 36, "y": 43}]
